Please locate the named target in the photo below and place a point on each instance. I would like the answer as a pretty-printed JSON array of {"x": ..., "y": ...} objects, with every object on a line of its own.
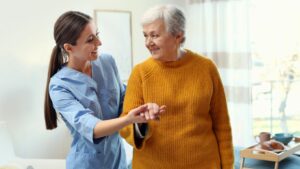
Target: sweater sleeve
[
  {"x": 221, "y": 121},
  {"x": 133, "y": 99}
]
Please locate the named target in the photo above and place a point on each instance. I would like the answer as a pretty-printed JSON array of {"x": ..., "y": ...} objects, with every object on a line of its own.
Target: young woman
[{"x": 87, "y": 92}]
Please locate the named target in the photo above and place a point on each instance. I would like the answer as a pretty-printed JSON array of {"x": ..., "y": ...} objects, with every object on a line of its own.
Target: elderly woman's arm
[
  {"x": 221, "y": 122},
  {"x": 134, "y": 98}
]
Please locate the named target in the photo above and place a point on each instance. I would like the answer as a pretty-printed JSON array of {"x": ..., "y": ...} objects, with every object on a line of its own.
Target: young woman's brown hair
[{"x": 67, "y": 29}]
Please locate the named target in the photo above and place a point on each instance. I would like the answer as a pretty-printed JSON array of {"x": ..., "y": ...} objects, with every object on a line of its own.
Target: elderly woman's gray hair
[{"x": 173, "y": 17}]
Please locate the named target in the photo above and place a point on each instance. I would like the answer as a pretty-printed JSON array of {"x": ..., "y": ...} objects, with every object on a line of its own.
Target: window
[{"x": 275, "y": 37}]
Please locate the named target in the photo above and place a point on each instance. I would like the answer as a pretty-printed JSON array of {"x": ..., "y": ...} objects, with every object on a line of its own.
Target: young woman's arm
[
  {"x": 107, "y": 127},
  {"x": 141, "y": 114}
]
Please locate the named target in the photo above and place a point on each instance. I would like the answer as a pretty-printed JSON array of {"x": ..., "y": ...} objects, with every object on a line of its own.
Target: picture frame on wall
[{"x": 115, "y": 32}]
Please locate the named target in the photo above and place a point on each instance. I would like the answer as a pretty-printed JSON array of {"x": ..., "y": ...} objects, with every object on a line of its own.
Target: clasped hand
[{"x": 146, "y": 112}]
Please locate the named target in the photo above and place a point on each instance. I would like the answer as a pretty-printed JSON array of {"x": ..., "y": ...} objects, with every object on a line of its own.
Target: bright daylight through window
[{"x": 275, "y": 46}]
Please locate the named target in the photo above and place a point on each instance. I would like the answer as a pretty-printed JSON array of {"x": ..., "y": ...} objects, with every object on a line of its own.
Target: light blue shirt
[{"x": 84, "y": 101}]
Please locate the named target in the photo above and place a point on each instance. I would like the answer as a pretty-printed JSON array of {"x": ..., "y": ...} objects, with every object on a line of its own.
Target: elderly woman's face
[{"x": 161, "y": 44}]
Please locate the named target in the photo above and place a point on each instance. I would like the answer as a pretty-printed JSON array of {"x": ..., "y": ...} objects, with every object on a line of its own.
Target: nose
[
  {"x": 148, "y": 41},
  {"x": 98, "y": 42}
]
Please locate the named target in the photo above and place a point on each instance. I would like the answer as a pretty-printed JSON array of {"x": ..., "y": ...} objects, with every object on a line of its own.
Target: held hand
[
  {"x": 146, "y": 112},
  {"x": 134, "y": 116},
  {"x": 153, "y": 111}
]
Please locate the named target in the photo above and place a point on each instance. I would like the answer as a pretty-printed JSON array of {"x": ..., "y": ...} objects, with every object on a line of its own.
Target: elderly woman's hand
[{"x": 153, "y": 111}]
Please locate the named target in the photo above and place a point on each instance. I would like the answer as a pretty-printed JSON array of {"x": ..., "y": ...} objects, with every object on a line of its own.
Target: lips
[
  {"x": 95, "y": 51},
  {"x": 94, "y": 54},
  {"x": 153, "y": 50}
]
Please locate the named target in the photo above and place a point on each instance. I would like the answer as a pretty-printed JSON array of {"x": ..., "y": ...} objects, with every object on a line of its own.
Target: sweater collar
[{"x": 178, "y": 63}]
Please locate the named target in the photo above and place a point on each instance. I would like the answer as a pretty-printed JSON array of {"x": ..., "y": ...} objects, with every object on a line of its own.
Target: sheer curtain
[{"x": 219, "y": 29}]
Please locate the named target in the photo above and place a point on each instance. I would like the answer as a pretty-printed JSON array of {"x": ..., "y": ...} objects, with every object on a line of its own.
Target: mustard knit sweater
[{"x": 194, "y": 132}]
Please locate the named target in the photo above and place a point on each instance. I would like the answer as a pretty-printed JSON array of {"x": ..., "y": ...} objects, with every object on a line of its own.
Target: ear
[
  {"x": 68, "y": 47},
  {"x": 179, "y": 37}
]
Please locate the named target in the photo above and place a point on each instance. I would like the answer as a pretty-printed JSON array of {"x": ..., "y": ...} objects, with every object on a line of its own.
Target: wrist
[{"x": 127, "y": 119}]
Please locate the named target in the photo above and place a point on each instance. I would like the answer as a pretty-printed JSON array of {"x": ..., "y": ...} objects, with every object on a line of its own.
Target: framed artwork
[{"x": 115, "y": 33}]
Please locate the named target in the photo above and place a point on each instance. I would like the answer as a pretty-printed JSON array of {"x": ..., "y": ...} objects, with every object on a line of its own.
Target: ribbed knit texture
[{"x": 194, "y": 132}]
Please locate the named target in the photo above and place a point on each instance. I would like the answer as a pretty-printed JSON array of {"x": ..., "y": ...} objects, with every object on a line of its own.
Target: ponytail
[
  {"x": 56, "y": 62},
  {"x": 67, "y": 29}
]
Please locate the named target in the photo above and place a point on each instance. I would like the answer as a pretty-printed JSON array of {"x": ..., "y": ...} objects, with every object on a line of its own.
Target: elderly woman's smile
[{"x": 161, "y": 44}]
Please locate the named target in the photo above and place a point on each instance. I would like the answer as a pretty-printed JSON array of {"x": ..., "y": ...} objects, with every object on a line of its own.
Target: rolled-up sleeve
[{"x": 80, "y": 118}]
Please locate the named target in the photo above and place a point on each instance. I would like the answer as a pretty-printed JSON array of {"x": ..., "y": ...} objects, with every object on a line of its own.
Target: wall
[{"x": 26, "y": 33}]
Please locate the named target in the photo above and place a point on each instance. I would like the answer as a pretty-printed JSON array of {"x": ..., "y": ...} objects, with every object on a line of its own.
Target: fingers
[
  {"x": 141, "y": 119},
  {"x": 148, "y": 111},
  {"x": 162, "y": 109},
  {"x": 147, "y": 115},
  {"x": 139, "y": 109},
  {"x": 154, "y": 110}
]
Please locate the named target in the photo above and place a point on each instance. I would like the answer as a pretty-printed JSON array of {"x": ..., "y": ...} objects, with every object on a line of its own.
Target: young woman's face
[
  {"x": 161, "y": 44},
  {"x": 86, "y": 48}
]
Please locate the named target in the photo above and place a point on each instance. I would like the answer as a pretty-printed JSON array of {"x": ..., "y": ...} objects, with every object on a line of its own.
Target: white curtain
[{"x": 219, "y": 29}]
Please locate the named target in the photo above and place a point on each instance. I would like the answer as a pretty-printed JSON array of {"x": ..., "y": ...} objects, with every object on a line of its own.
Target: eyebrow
[
  {"x": 151, "y": 32},
  {"x": 91, "y": 35}
]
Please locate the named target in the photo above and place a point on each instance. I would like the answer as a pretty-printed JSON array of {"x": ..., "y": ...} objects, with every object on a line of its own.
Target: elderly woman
[{"x": 195, "y": 130}]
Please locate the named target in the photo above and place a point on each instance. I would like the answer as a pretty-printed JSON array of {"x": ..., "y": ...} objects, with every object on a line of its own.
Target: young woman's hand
[{"x": 134, "y": 115}]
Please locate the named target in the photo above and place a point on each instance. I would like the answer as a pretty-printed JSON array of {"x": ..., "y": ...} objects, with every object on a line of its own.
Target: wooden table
[{"x": 260, "y": 154}]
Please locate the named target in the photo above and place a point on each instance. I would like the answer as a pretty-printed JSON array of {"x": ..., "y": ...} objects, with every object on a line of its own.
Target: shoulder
[
  {"x": 199, "y": 58},
  {"x": 105, "y": 58},
  {"x": 202, "y": 60},
  {"x": 68, "y": 78},
  {"x": 144, "y": 67},
  {"x": 105, "y": 61},
  {"x": 56, "y": 85},
  {"x": 59, "y": 80},
  {"x": 146, "y": 63}
]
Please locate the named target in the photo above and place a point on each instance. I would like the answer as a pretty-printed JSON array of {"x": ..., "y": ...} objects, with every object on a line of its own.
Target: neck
[
  {"x": 85, "y": 67},
  {"x": 179, "y": 54}
]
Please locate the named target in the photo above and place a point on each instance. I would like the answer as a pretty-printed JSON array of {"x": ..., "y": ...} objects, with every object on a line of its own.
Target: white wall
[{"x": 26, "y": 41}]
